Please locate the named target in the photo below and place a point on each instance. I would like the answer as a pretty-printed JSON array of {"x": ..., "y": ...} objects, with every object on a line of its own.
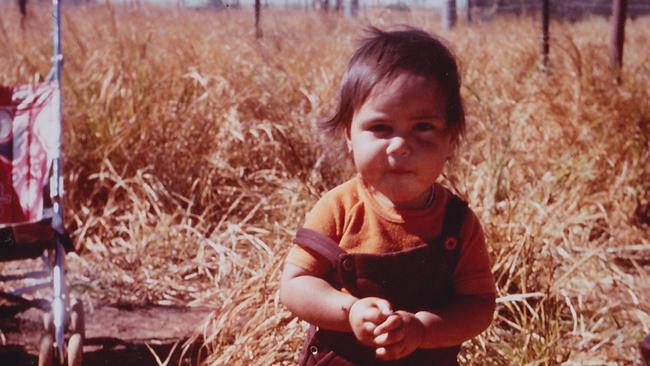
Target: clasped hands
[{"x": 393, "y": 334}]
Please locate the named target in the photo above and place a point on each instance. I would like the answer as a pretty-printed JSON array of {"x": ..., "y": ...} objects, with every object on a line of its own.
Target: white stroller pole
[
  {"x": 35, "y": 161},
  {"x": 58, "y": 56},
  {"x": 56, "y": 182},
  {"x": 56, "y": 193}
]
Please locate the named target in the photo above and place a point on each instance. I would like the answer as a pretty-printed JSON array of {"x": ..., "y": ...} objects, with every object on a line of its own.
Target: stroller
[{"x": 31, "y": 209}]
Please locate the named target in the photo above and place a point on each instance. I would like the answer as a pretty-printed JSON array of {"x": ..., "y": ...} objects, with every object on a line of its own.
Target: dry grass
[{"x": 190, "y": 161}]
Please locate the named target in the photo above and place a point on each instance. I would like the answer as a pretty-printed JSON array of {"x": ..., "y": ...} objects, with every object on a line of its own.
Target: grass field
[{"x": 191, "y": 160}]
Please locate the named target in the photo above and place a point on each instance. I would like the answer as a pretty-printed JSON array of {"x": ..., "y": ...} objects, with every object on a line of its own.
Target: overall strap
[
  {"x": 447, "y": 246},
  {"x": 453, "y": 222},
  {"x": 319, "y": 243}
]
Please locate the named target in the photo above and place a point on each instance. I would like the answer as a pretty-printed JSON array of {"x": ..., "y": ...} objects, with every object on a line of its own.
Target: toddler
[{"x": 390, "y": 267}]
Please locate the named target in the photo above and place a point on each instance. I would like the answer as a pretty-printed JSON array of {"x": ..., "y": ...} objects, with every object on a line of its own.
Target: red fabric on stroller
[{"x": 29, "y": 140}]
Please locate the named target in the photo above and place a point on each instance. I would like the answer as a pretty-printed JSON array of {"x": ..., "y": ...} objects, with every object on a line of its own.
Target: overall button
[
  {"x": 348, "y": 265},
  {"x": 313, "y": 350},
  {"x": 450, "y": 243}
]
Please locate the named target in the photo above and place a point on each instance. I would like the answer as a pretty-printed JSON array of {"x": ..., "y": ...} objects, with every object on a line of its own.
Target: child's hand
[
  {"x": 398, "y": 336},
  {"x": 365, "y": 315}
]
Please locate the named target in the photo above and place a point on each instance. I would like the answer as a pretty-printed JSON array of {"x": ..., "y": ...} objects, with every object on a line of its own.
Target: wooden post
[
  {"x": 617, "y": 39},
  {"x": 258, "y": 28},
  {"x": 22, "y": 6},
  {"x": 546, "y": 18},
  {"x": 449, "y": 14},
  {"x": 350, "y": 8},
  {"x": 645, "y": 350}
]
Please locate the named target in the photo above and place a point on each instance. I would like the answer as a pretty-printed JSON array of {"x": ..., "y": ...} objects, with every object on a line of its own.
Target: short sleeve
[
  {"x": 327, "y": 218},
  {"x": 473, "y": 274}
]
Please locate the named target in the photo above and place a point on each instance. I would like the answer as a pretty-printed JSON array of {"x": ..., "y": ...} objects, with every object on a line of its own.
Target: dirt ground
[
  {"x": 122, "y": 332},
  {"x": 114, "y": 335}
]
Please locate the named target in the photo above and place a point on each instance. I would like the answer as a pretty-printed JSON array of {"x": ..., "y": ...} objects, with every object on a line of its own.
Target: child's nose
[{"x": 398, "y": 146}]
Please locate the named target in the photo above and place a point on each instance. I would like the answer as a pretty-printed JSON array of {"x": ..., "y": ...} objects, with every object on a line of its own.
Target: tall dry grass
[{"x": 191, "y": 160}]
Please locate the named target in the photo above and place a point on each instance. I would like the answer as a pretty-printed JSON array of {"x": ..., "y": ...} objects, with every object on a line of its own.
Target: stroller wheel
[
  {"x": 75, "y": 349},
  {"x": 46, "y": 350}
]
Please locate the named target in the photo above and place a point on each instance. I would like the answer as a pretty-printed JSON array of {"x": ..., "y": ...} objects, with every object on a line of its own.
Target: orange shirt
[{"x": 352, "y": 217}]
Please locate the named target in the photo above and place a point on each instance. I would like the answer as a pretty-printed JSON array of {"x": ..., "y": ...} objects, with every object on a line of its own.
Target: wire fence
[{"x": 536, "y": 5}]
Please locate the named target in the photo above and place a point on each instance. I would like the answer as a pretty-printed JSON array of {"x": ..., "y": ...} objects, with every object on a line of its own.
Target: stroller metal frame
[{"x": 61, "y": 313}]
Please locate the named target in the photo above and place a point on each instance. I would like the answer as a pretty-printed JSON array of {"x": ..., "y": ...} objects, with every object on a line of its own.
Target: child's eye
[
  {"x": 380, "y": 128},
  {"x": 424, "y": 126},
  {"x": 430, "y": 126}
]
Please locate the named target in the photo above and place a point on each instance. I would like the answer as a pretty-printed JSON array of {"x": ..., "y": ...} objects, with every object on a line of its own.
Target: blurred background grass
[{"x": 191, "y": 159}]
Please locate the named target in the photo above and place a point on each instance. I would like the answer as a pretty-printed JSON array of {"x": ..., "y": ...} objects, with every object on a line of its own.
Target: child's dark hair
[{"x": 385, "y": 53}]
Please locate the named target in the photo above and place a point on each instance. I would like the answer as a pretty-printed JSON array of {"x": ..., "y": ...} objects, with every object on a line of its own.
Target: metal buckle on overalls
[
  {"x": 313, "y": 350},
  {"x": 347, "y": 264},
  {"x": 7, "y": 237}
]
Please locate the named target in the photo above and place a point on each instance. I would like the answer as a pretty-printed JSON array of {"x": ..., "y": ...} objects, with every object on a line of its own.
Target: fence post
[
  {"x": 617, "y": 39},
  {"x": 22, "y": 6},
  {"x": 546, "y": 19},
  {"x": 449, "y": 14},
  {"x": 258, "y": 28},
  {"x": 350, "y": 8},
  {"x": 645, "y": 350}
]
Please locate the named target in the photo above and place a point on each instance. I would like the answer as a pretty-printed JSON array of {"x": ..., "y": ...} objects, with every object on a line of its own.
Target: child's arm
[
  {"x": 463, "y": 318},
  {"x": 314, "y": 300}
]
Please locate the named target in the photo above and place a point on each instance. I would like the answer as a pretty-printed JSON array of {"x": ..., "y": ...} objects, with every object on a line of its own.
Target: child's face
[{"x": 399, "y": 140}]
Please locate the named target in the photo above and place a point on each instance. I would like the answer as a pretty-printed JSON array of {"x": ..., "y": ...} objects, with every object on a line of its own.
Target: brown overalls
[{"x": 413, "y": 279}]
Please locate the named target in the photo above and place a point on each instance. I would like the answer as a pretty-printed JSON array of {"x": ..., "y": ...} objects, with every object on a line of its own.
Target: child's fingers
[
  {"x": 380, "y": 353},
  {"x": 370, "y": 309},
  {"x": 368, "y": 328},
  {"x": 372, "y": 314},
  {"x": 384, "y": 307},
  {"x": 390, "y": 338},
  {"x": 377, "y": 312},
  {"x": 364, "y": 334},
  {"x": 393, "y": 322},
  {"x": 392, "y": 352}
]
